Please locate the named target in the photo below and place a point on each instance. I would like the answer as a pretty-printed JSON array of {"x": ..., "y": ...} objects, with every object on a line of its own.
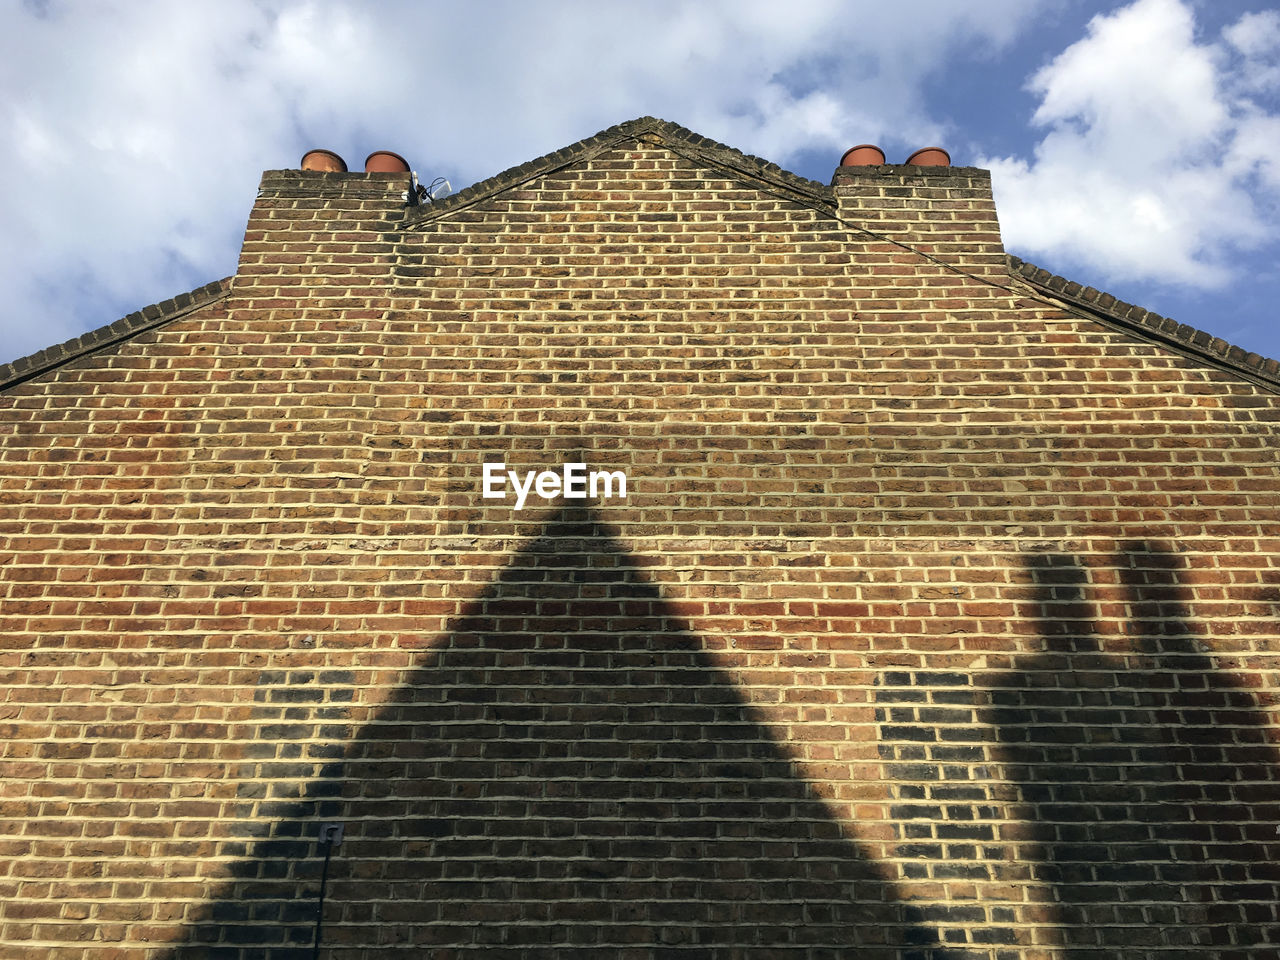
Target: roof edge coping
[
  {"x": 1152, "y": 325},
  {"x": 31, "y": 366},
  {"x": 659, "y": 131},
  {"x": 354, "y": 184},
  {"x": 843, "y": 175}
]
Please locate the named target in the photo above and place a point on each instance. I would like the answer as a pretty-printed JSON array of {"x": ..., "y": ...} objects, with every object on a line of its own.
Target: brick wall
[{"x": 939, "y": 620}]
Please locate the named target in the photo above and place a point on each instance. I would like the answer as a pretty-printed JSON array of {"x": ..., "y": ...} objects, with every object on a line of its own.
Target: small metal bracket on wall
[
  {"x": 331, "y": 833},
  {"x": 415, "y": 194}
]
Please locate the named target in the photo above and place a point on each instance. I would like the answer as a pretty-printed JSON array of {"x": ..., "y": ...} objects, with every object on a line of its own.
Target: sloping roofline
[
  {"x": 1094, "y": 304},
  {"x": 148, "y": 318},
  {"x": 1182, "y": 337},
  {"x": 672, "y": 135},
  {"x": 1151, "y": 326}
]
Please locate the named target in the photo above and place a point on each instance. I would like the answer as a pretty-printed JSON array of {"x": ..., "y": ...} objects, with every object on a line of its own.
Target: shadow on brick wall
[
  {"x": 567, "y": 774},
  {"x": 1147, "y": 773}
]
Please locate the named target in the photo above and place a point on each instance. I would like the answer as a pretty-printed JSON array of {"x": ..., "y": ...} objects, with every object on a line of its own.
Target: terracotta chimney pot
[
  {"x": 930, "y": 157},
  {"x": 863, "y": 155},
  {"x": 384, "y": 161},
  {"x": 325, "y": 160}
]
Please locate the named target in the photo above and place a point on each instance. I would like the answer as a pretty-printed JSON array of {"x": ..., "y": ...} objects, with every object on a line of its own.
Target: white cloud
[
  {"x": 1157, "y": 158},
  {"x": 1256, "y": 35},
  {"x": 138, "y": 130}
]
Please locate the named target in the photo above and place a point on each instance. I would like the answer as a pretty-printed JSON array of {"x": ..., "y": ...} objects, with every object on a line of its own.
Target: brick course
[{"x": 939, "y": 619}]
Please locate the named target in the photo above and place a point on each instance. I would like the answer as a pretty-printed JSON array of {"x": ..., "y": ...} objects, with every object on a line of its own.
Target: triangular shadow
[{"x": 567, "y": 774}]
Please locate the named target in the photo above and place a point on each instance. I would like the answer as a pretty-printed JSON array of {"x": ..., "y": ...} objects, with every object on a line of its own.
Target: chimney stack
[{"x": 926, "y": 204}]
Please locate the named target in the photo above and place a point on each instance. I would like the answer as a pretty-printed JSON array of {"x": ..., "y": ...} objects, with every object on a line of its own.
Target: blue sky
[{"x": 1135, "y": 147}]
